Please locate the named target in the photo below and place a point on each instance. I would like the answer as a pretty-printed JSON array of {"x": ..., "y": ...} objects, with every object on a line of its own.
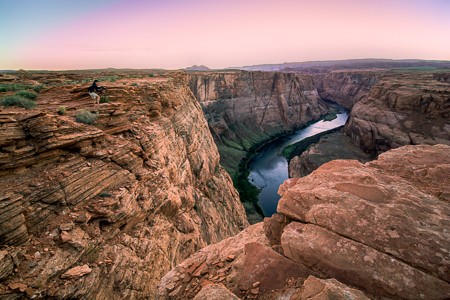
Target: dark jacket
[{"x": 95, "y": 88}]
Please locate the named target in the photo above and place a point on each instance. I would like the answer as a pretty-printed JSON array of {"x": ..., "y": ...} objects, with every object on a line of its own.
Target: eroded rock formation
[
  {"x": 391, "y": 109},
  {"x": 105, "y": 210},
  {"x": 380, "y": 227},
  {"x": 402, "y": 109},
  {"x": 346, "y": 87},
  {"x": 330, "y": 147},
  {"x": 245, "y": 109}
]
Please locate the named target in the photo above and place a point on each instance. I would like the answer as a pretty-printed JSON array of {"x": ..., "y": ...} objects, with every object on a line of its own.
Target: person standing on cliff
[{"x": 93, "y": 89}]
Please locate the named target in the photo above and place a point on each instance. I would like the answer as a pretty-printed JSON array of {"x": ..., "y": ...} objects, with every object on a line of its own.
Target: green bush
[
  {"x": 86, "y": 117},
  {"x": 38, "y": 88},
  {"x": 18, "y": 101},
  {"x": 104, "y": 99},
  {"x": 109, "y": 78},
  {"x": 6, "y": 87},
  {"x": 26, "y": 94},
  {"x": 61, "y": 110}
]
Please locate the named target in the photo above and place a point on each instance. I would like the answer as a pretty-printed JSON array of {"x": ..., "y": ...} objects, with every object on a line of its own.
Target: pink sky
[{"x": 176, "y": 34}]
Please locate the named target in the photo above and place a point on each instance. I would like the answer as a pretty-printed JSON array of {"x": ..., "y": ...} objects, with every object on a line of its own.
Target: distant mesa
[{"x": 198, "y": 68}]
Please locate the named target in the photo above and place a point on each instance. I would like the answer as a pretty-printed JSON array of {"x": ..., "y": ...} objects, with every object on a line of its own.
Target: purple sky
[{"x": 55, "y": 34}]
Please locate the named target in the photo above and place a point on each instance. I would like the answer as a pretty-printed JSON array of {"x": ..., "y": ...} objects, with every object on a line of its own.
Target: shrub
[
  {"x": 134, "y": 84},
  {"x": 14, "y": 87},
  {"x": 86, "y": 117},
  {"x": 26, "y": 94},
  {"x": 151, "y": 75},
  {"x": 104, "y": 99},
  {"x": 109, "y": 78},
  {"x": 61, "y": 110},
  {"x": 38, "y": 88},
  {"x": 18, "y": 101}
]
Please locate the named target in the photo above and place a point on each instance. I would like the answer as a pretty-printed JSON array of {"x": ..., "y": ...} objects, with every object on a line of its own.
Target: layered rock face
[
  {"x": 346, "y": 87},
  {"x": 377, "y": 230},
  {"x": 330, "y": 147},
  {"x": 245, "y": 109},
  {"x": 105, "y": 210},
  {"x": 402, "y": 109}
]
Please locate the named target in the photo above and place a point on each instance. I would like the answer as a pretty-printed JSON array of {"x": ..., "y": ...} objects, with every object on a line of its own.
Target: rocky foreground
[
  {"x": 103, "y": 211},
  {"x": 347, "y": 231}
]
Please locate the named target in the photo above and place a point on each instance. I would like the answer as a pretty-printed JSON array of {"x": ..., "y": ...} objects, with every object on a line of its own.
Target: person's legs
[{"x": 95, "y": 97}]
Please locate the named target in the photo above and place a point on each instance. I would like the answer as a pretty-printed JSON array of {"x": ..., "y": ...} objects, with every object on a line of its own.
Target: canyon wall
[
  {"x": 390, "y": 109},
  {"x": 330, "y": 147},
  {"x": 245, "y": 109},
  {"x": 105, "y": 210},
  {"x": 401, "y": 109},
  {"x": 346, "y": 87},
  {"x": 346, "y": 231}
]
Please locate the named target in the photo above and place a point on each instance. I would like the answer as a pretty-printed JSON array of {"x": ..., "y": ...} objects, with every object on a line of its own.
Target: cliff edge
[{"x": 105, "y": 210}]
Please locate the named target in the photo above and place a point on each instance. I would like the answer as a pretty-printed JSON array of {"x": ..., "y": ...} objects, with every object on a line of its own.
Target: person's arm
[{"x": 99, "y": 88}]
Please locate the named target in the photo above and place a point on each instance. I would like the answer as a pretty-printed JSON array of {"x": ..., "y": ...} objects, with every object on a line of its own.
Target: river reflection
[{"x": 269, "y": 169}]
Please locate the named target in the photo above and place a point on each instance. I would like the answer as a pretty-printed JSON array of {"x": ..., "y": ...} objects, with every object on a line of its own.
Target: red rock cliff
[
  {"x": 402, "y": 109},
  {"x": 105, "y": 210},
  {"x": 346, "y": 87}
]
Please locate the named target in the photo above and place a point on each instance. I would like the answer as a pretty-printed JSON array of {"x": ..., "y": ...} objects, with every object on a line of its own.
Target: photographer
[{"x": 93, "y": 89}]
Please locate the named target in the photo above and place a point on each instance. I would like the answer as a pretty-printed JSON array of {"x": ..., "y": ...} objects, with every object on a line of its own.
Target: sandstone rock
[
  {"x": 346, "y": 87},
  {"x": 319, "y": 289},
  {"x": 13, "y": 230},
  {"x": 6, "y": 265},
  {"x": 268, "y": 267},
  {"x": 141, "y": 193},
  {"x": 215, "y": 291},
  {"x": 77, "y": 238},
  {"x": 273, "y": 227},
  {"x": 401, "y": 109},
  {"x": 173, "y": 285},
  {"x": 330, "y": 147},
  {"x": 66, "y": 227},
  {"x": 357, "y": 264},
  {"x": 349, "y": 221},
  {"x": 77, "y": 272},
  {"x": 255, "y": 269},
  {"x": 368, "y": 216},
  {"x": 18, "y": 286}
]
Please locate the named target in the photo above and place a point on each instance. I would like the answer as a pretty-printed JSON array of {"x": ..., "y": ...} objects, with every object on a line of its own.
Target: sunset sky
[{"x": 171, "y": 34}]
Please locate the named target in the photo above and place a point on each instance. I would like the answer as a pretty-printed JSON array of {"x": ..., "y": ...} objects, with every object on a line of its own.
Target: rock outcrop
[
  {"x": 330, "y": 147},
  {"x": 245, "y": 109},
  {"x": 381, "y": 228},
  {"x": 346, "y": 87},
  {"x": 402, "y": 109},
  {"x": 105, "y": 210}
]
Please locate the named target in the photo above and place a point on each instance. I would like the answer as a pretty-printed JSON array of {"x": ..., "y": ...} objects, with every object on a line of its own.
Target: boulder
[
  {"x": 215, "y": 291},
  {"x": 321, "y": 289}
]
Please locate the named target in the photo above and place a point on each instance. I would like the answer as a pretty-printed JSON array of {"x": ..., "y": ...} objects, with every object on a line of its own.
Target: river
[{"x": 269, "y": 169}]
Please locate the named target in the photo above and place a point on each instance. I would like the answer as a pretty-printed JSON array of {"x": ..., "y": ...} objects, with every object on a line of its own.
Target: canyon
[
  {"x": 245, "y": 109},
  {"x": 137, "y": 205}
]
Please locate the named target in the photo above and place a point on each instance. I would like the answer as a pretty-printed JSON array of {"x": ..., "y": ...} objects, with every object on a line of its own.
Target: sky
[{"x": 172, "y": 34}]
